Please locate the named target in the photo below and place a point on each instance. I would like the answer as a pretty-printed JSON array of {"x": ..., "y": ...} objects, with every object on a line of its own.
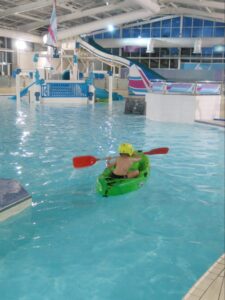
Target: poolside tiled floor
[
  {"x": 211, "y": 286},
  {"x": 212, "y": 122}
]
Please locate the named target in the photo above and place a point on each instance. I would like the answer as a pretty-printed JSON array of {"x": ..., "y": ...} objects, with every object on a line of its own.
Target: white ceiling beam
[
  {"x": 149, "y": 4},
  {"x": 193, "y": 12},
  {"x": 97, "y": 25},
  {"x": 76, "y": 15},
  {"x": 21, "y": 36},
  {"x": 203, "y": 3}
]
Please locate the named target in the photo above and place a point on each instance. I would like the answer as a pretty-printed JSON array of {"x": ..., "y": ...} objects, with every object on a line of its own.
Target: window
[
  {"x": 116, "y": 34},
  {"x": 107, "y": 35},
  {"x": 187, "y": 22},
  {"x": 164, "y": 63},
  {"x": 98, "y": 36},
  {"x": 207, "y": 52},
  {"x": 166, "y": 23},
  {"x": 219, "y": 32},
  {"x": 186, "y": 32},
  {"x": 135, "y": 32},
  {"x": 154, "y": 63},
  {"x": 185, "y": 51},
  {"x": 155, "y": 32},
  {"x": 196, "y": 32},
  {"x": 176, "y": 22},
  {"x": 145, "y": 33},
  {"x": 164, "y": 52},
  {"x": 173, "y": 63},
  {"x": 207, "y": 32},
  {"x": 115, "y": 51},
  {"x": 126, "y": 33},
  {"x": 208, "y": 23},
  {"x": 175, "y": 32},
  {"x": 156, "y": 24},
  {"x": 197, "y": 22},
  {"x": 165, "y": 32},
  {"x": 174, "y": 51}
]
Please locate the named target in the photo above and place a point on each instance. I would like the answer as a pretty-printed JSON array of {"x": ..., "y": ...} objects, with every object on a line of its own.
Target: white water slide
[{"x": 140, "y": 77}]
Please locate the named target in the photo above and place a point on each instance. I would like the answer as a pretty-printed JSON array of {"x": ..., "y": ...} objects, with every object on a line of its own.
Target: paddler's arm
[{"x": 110, "y": 163}]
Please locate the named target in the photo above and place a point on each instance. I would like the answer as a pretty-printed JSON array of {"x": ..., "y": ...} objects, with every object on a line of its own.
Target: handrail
[{"x": 190, "y": 88}]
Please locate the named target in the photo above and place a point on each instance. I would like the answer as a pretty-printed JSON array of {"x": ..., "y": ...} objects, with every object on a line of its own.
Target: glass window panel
[
  {"x": 207, "y": 32},
  {"x": 187, "y": 22},
  {"x": 219, "y": 31},
  {"x": 143, "y": 52},
  {"x": 156, "y": 52},
  {"x": 116, "y": 34},
  {"x": 164, "y": 63},
  {"x": 145, "y": 33},
  {"x": 196, "y": 32},
  {"x": 146, "y": 25},
  {"x": 155, "y": 32},
  {"x": 176, "y": 22},
  {"x": 135, "y": 51},
  {"x": 173, "y": 63},
  {"x": 135, "y": 32},
  {"x": 98, "y": 36},
  {"x": 166, "y": 23},
  {"x": 219, "y": 24},
  {"x": 125, "y": 52},
  {"x": 107, "y": 35},
  {"x": 156, "y": 24},
  {"x": 164, "y": 52},
  {"x": 186, "y": 32},
  {"x": 175, "y": 32},
  {"x": 165, "y": 32},
  {"x": 208, "y": 23},
  {"x": 154, "y": 63},
  {"x": 207, "y": 51},
  {"x": 186, "y": 51},
  {"x": 197, "y": 22},
  {"x": 126, "y": 33},
  {"x": 174, "y": 51}
]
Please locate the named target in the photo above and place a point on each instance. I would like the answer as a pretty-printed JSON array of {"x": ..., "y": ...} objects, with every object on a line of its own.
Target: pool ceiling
[{"x": 85, "y": 16}]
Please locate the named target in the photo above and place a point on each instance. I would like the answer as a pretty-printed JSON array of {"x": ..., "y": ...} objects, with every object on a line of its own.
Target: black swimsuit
[{"x": 112, "y": 175}]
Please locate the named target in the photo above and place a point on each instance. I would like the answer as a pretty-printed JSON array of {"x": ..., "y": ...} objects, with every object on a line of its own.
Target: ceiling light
[
  {"x": 110, "y": 28},
  {"x": 21, "y": 45}
]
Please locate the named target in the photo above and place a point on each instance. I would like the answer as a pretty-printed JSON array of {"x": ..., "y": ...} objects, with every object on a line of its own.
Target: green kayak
[{"x": 107, "y": 186}]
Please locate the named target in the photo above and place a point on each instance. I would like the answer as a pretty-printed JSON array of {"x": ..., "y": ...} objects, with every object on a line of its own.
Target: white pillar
[
  {"x": 18, "y": 88},
  {"x": 110, "y": 86}
]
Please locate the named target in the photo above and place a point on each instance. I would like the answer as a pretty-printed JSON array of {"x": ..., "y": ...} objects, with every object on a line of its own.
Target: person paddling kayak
[{"x": 124, "y": 162}]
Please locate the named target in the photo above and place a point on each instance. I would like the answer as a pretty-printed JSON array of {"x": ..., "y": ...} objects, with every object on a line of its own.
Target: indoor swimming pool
[{"x": 72, "y": 243}]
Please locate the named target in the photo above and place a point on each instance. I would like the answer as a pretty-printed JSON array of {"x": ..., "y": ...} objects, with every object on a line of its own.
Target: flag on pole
[{"x": 52, "y": 29}]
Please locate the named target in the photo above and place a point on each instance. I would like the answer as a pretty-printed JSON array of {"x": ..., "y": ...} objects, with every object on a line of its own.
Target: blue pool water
[{"x": 72, "y": 243}]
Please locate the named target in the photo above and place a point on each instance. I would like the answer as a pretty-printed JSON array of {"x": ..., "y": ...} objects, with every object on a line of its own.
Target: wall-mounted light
[{"x": 21, "y": 45}]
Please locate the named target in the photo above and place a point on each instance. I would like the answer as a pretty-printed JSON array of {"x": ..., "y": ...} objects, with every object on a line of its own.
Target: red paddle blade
[
  {"x": 163, "y": 150},
  {"x": 84, "y": 161}
]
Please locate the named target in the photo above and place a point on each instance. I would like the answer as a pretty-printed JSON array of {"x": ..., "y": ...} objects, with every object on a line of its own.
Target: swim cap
[{"x": 126, "y": 149}]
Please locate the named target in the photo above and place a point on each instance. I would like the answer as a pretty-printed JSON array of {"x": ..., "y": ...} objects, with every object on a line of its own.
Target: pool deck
[
  {"x": 219, "y": 123},
  {"x": 211, "y": 286}
]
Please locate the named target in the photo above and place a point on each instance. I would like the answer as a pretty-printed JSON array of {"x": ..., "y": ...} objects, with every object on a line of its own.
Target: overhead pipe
[{"x": 103, "y": 23}]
